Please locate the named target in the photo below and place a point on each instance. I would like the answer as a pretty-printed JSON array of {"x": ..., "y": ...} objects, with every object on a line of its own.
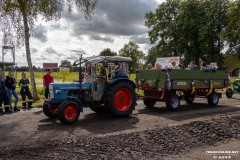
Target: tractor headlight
[{"x": 51, "y": 91}]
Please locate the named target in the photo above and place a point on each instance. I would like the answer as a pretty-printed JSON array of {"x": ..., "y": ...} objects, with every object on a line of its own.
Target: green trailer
[{"x": 170, "y": 85}]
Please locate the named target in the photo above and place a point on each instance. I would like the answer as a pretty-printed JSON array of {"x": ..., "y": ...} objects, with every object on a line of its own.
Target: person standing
[
  {"x": 47, "y": 79},
  {"x": 150, "y": 66},
  {"x": 3, "y": 94},
  {"x": 11, "y": 88},
  {"x": 24, "y": 83}
]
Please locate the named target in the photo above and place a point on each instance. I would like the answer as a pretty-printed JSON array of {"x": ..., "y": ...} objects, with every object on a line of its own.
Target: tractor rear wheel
[
  {"x": 50, "y": 111},
  {"x": 213, "y": 99},
  {"x": 173, "y": 102},
  {"x": 229, "y": 93},
  {"x": 121, "y": 99},
  {"x": 68, "y": 112}
]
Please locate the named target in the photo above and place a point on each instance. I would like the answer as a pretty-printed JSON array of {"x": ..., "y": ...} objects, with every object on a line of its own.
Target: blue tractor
[{"x": 97, "y": 88}]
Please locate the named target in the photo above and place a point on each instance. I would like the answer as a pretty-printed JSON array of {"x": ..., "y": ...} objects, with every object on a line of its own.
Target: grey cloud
[
  {"x": 34, "y": 50},
  {"x": 100, "y": 38},
  {"x": 41, "y": 58},
  {"x": 60, "y": 54},
  {"x": 125, "y": 17},
  {"x": 40, "y": 32},
  {"x": 75, "y": 53},
  {"x": 50, "y": 50},
  {"x": 56, "y": 26},
  {"x": 141, "y": 39},
  {"x": 78, "y": 51},
  {"x": 73, "y": 57}
]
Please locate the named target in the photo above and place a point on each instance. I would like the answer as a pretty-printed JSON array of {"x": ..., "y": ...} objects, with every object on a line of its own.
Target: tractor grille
[{"x": 51, "y": 91}]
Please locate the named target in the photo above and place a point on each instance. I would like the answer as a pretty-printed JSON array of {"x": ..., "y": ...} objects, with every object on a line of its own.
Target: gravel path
[{"x": 148, "y": 144}]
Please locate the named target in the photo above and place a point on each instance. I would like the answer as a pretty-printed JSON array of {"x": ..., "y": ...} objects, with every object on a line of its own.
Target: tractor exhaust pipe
[{"x": 80, "y": 73}]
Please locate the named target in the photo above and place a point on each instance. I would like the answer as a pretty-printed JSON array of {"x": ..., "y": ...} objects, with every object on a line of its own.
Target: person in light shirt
[
  {"x": 174, "y": 66},
  {"x": 158, "y": 66}
]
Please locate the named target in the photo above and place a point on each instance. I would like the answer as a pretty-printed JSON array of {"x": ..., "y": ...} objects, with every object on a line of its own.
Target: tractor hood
[
  {"x": 71, "y": 86},
  {"x": 59, "y": 91}
]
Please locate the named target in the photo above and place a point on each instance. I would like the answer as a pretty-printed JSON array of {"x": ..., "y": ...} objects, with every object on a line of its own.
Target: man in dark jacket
[
  {"x": 3, "y": 94},
  {"x": 11, "y": 87}
]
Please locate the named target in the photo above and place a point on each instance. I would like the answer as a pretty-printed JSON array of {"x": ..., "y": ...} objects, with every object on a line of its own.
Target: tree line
[
  {"x": 194, "y": 29},
  {"x": 191, "y": 29}
]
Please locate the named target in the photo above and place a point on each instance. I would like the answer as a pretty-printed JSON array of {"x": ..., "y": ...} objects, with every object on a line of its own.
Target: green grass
[
  {"x": 57, "y": 78},
  {"x": 39, "y": 84}
]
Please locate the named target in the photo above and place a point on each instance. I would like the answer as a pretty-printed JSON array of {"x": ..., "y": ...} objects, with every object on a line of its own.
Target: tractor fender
[
  {"x": 77, "y": 101},
  {"x": 114, "y": 81}
]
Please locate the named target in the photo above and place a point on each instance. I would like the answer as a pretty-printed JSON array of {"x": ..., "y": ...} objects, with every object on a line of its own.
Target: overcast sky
[{"x": 114, "y": 23}]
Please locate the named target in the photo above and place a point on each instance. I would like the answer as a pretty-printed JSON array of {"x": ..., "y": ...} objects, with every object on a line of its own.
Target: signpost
[
  {"x": 166, "y": 61},
  {"x": 64, "y": 71}
]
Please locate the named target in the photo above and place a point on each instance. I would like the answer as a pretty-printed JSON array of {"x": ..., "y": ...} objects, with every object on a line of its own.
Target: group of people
[
  {"x": 192, "y": 66},
  {"x": 159, "y": 66},
  {"x": 8, "y": 89}
]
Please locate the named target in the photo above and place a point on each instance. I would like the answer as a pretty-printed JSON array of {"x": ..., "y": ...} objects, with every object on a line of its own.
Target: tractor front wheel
[
  {"x": 68, "y": 112},
  {"x": 121, "y": 99}
]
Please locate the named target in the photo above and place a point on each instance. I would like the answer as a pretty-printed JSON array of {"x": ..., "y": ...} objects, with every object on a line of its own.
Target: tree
[
  {"x": 107, "y": 52},
  {"x": 153, "y": 54},
  {"x": 191, "y": 21},
  {"x": 189, "y": 27},
  {"x": 163, "y": 27},
  {"x": 215, "y": 22},
  {"x": 132, "y": 50},
  {"x": 65, "y": 63},
  {"x": 19, "y": 16},
  {"x": 232, "y": 32}
]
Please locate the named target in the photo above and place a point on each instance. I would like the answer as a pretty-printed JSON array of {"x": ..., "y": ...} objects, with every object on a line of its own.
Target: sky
[{"x": 114, "y": 23}]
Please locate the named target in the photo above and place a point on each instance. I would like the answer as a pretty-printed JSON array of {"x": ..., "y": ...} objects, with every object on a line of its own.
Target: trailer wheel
[
  {"x": 173, "y": 102},
  {"x": 50, "y": 111},
  {"x": 96, "y": 108},
  {"x": 68, "y": 112},
  {"x": 213, "y": 99},
  {"x": 121, "y": 99},
  {"x": 189, "y": 98},
  {"x": 229, "y": 93},
  {"x": 149, "y": 103}
]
